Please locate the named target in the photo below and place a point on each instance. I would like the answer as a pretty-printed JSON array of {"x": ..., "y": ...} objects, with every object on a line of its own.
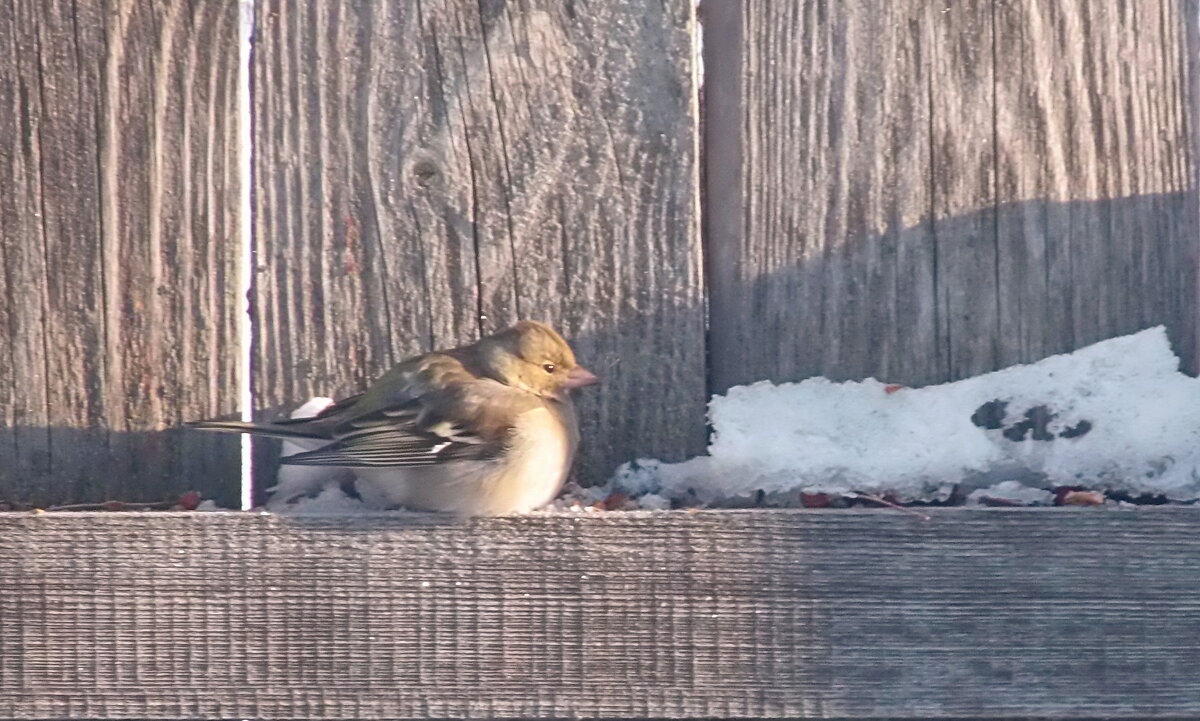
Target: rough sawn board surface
[{"x": 974, "y": 613}]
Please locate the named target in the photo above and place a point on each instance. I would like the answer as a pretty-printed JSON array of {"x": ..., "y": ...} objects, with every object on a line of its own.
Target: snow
[
  {"x": 654, "y": 502},
  {"x": 330, "y": 499},
  {"x": 1115, "y": 416},
  {"x": 1013, "y": 492},
  {"x": 307, "y": 489}
]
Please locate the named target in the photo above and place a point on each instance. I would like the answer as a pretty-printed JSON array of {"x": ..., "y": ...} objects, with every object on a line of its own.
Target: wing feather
[
  {"x": 423, "y": 412},
  {"x": 467, "y": 421}
]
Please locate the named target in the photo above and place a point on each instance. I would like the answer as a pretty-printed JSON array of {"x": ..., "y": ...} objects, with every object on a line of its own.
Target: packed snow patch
[
  {"x": 330, "y": 499},
  {"x": 1116, "y": 416},
  {"x": 309, "y": 489}
]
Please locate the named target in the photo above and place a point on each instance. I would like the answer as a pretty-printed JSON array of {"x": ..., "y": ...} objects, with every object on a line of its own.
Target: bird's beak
[{"x": 580, "y": 377}]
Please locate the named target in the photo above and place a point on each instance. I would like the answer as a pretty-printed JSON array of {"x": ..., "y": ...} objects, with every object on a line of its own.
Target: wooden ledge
[{"x": 844, "y": 613}]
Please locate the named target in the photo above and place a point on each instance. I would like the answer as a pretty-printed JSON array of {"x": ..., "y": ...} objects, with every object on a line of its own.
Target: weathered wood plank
[
  {"x": 429, "y": 171},
  {"x": 1096, "y": 174},
  {"x": 962, "y": 178},
  {"x": 25, "y": 438},
  {"x": 817, "y": 127},
  {"x": 1050, "y": 613},
  {"x": 929, "y": 191},
  {"x": 119, "y": 247}
]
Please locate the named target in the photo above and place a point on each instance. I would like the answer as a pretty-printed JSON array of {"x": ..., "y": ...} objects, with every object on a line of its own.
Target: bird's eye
[{"x": 548, "y": 367}]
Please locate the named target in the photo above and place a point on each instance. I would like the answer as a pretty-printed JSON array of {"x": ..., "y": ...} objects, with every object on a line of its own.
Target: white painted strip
[{"x": 245, "y": 233}]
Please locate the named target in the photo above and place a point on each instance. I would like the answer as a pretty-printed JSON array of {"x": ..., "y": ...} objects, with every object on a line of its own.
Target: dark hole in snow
[
  {"x": 1041, "y": 416},
  {"x": 1035, "y": 426},
  {"x": 350, "y": 489},
  {"x": 1079, "y": 429},
  {"x": 990, "y": 415}
]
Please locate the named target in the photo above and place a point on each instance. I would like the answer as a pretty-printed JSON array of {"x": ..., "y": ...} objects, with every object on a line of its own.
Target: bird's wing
[
  {"x": 398, "y": 392},
  {"x": 466, "y": 420},
  {"x": 394, "y": 393},
  {"x": 424, "y": 411}
]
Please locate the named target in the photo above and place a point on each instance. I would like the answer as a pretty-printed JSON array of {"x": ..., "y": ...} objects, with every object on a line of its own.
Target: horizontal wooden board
[{"x": 973, "y": 613}]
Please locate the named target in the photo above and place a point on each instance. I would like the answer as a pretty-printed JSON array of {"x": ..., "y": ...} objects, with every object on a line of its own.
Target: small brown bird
[{"x": 484, "y": 429}]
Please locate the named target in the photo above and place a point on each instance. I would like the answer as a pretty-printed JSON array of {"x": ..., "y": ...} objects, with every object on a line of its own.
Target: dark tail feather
[{"x": 258, "y": 429}]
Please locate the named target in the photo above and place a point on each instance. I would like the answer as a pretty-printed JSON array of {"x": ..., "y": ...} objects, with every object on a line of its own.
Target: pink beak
[{"x": 580, "y": 377}]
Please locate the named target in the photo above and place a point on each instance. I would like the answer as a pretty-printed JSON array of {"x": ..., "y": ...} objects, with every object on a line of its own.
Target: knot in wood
[{"x": 424, "y": 172}]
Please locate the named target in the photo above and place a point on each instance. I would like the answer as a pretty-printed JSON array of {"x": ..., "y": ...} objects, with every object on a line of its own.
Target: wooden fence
[
  {"x": 909, "y": 190},
  {"x": 913, "y": 190}
]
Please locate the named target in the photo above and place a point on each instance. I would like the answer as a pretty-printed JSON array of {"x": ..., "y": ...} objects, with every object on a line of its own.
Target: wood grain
[
  {"x": 1014, "y": 613},
  {"x": 823, "y": 260},
  {"x": 430, "y": 171},
  {"x": 962, "y": 178},
  {"x": 1097, "y": 174},
  {"x": 119, "y": 248},
  {"x": 929, "y": 191}
]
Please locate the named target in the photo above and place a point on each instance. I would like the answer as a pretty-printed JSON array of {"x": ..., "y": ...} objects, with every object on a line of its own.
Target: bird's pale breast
[{"x": 529, "y": 474}]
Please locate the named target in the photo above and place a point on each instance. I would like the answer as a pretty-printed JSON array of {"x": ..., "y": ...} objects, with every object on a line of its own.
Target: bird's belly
[
  {"x": 529, "y": 476},
  {"x": 533, "y": 482}
]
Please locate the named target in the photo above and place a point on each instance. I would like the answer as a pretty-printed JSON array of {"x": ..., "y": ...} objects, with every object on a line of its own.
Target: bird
[{"x": 484, "y": 429}]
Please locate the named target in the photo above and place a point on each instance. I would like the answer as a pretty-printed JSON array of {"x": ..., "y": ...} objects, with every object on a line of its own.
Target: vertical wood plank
[
  {"x": 929, "y": 191},
  {"x": 1096, "y": 172},
  {"x": 169, "y": 182},
  {"x": 119, "y": 248},
  {"x": 25, "y": 439},
  {"x": 433, "y": 170},
  {"x": 1190, "y": 85},
  {"x": 821, "y": 250},
  {"x": 962, "y": 178}
]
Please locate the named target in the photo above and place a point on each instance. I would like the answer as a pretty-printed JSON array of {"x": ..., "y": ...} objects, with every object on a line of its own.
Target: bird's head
[{"x": 531, "y": 356}]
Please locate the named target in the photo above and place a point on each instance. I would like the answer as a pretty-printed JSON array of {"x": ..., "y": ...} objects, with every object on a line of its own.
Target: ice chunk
[
  {"x": 654, "y": 502},
  {"x": 1014, "y": 492}
]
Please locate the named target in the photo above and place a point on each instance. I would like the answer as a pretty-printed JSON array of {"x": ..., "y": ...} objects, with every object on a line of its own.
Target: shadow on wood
[
  {"x": 888, "y": 303},
  {"x": 1079, "y": 273},
  {"x": 92, "y": 465},
  {"x": 876, "y": 304}
]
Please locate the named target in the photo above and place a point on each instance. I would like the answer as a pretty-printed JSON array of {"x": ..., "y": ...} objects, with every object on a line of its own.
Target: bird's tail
[{"x": 258, "y": 429}]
